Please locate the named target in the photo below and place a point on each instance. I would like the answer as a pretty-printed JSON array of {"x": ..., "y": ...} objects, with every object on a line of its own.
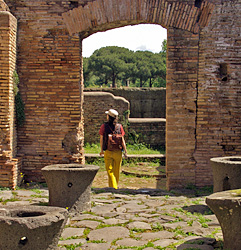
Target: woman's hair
[{"x": 111, "y": 119}]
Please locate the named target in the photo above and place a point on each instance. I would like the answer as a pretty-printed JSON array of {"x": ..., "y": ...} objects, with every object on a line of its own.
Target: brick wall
[
  {"x": 144, "y": 102},
  {"x": 181, "y": 95},
  {"x": 203, "y": 81},
  {"x": 151, "y": 131},
  {"x": 219, "y": 89},
  {"x": 9, "y": 165},
  {"x": 98, "y": 14},
  {"x": 49, "y": 72}
]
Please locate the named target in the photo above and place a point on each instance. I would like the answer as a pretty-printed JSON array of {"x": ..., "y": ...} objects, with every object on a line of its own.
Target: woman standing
[{"x": 113, "y": 158}]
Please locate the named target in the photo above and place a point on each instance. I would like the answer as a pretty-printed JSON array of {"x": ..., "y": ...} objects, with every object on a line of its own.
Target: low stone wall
[
  {"x": 95, "y": 105},
  {"x": 151, "y": 131},
  {"x": 144, "y": 102}
]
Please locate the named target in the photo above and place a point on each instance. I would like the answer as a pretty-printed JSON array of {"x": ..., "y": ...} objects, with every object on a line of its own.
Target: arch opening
[{"x": 128, "y": 37}]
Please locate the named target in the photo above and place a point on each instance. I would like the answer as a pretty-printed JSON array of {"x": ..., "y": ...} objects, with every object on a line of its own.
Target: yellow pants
[{"x": 113, "y": 161}]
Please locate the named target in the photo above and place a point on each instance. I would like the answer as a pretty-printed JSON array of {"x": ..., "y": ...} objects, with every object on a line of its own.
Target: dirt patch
[{"x": 135, "y": 176}]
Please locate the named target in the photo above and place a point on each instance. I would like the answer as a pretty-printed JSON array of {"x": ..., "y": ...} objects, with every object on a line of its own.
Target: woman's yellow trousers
[{"x": 113, "y": 161}]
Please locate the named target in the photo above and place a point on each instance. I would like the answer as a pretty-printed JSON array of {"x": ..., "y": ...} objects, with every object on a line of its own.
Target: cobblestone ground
[{"x": 133, "y": 219}]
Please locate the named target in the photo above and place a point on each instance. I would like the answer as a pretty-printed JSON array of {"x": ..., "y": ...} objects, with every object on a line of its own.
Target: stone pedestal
[
  {"x": 227, "y": 207},
  {"x": 31, "y": 227},
  {"x": 226, "y": 173},
  {"x": 70, "y": 185}
]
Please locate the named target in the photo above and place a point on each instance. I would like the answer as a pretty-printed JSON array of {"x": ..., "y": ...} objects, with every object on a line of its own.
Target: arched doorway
[
  {"x": 183, "y": 23},
  {"x": 49, "y": 55}
]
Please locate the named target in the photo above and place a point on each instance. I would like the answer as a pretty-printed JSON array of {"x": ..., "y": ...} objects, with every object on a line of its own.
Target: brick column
[
  {"x": 181, "y": 95},
  {"x": 78, "y": 156},
  {"x": 8, "y": 165}
]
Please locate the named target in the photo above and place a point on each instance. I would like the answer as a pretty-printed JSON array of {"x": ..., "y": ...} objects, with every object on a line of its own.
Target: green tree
[
  {"x": 109, "y": 63},
  {"x": 164, "y": 46},
  {"x": 158, "y": 68},
  {"x": 143, "y": 66},
  {"x": 115, "y": 64},
  {"x": 150, "y": 66}
]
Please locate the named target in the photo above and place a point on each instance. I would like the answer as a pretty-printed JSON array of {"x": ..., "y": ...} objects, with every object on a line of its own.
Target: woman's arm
[
  {"x": 123, "y": 142},
  {"x": 124, "y": 146},
  {"x": 101, "y": 145}
]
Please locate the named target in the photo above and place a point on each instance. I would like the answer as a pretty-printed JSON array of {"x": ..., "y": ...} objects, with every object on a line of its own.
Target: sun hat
[{"x": 112, "y": 113}]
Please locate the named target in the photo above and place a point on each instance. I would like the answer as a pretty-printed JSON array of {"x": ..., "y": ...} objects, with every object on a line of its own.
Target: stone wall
[
  {"x": 95, "y": 105},
  {"x": 151, "y": 131},
  {"x": 144, "y": 102}
]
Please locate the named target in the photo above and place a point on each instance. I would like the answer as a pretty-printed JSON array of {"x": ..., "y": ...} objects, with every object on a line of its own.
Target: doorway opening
[{"x": 126, "y": 47}]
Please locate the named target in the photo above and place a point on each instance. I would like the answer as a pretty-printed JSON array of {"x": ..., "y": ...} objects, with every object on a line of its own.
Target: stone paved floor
[{"x": 133, "y": 219}]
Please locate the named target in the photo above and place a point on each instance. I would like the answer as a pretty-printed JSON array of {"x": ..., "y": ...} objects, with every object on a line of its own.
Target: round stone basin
[
  {"x": 226, "y": 173},
  {"x": 70, "y": 185},
  {"x": 31, "y": 227},
  {"x": 227, "y": 207}
]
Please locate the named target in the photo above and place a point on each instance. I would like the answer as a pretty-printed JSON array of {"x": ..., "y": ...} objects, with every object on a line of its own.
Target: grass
[
  {"x": 236, "y": 192},
  {"x": 135, "y": 149},
  {"x": 37, "y": 191}
]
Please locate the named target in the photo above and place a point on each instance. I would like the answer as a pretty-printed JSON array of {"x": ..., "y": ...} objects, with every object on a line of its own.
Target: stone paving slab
[
  {"x": 6, "y": 195},
  {"x": 86, "y": 224},
  {"x": 164, "y": 242},
  {"x": 71, "y": 242},
  {"x": 102, "y": 209},
  {"x": 128, "y": 242},
  {"x": 19, "y": 203},
  {"x": 96, "y": 246},
  {"x": 157, "y": 235},
  {"x": 114, "y": 221},
  {"x": 72, "y": 232},
  {"x": 139, "y": 225},
  {"x": 109, "y": 234},
  {"x": 86, "y": 216},
  {"x": 26, "y": 193}
]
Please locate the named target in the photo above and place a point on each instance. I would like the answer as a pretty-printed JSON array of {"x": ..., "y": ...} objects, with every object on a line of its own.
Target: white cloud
[
  {"x": 137, "y": 37},
  {"x": 142, "y": 48}
]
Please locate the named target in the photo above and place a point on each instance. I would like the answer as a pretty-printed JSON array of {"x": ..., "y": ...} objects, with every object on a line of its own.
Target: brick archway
[
  {"x": 184, "y": 23},
  {"x": 202, "y": 107},
  {"x": 101, "y": 15}
]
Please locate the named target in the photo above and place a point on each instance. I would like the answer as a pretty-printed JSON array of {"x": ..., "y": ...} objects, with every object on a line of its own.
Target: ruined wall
[
  {"x": 218, "y": 106},
  {"x": 203, "y": 108},
  {"x": 95, "y": 105},
  {"x": 9, "y": 164},
  {"x": 48, "y": 66},
  {"x": 181, "y": 96},
  {"x": 150, "y": 131},
  {"x": 144, "y": 102},
  {"x": 203, "y": 78}
]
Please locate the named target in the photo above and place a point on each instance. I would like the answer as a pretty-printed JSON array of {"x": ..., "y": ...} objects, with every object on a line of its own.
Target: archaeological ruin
[{"x": 42, "y": 41}]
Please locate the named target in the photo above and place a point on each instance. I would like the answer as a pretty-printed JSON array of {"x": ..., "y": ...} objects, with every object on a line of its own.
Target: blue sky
[{"x": 138, "y": 37}]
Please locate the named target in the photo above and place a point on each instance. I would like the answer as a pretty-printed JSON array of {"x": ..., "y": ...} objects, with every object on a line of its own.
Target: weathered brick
[{"x": 203, "y": 109}]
